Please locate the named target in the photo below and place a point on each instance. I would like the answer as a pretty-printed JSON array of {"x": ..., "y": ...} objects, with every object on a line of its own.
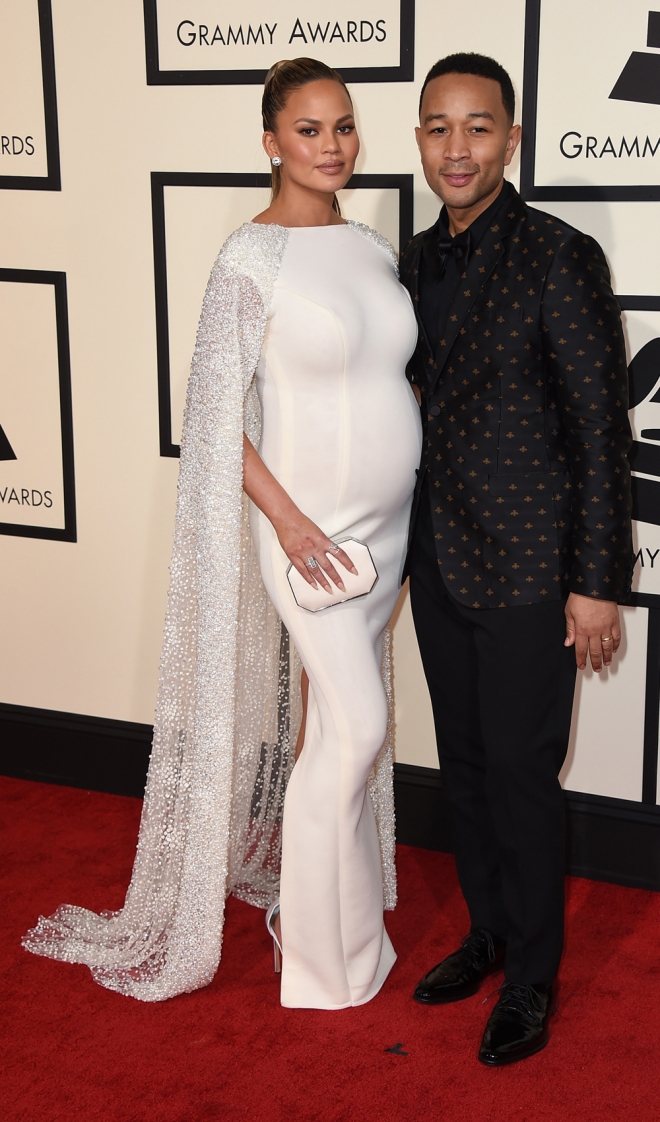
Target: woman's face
[{"x": 316, "y": 138}]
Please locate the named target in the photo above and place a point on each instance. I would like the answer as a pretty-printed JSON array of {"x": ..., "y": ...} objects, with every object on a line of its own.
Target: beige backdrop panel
[
  {"x": 83, "y": 622},
  {"x": 22, "y": 122}
]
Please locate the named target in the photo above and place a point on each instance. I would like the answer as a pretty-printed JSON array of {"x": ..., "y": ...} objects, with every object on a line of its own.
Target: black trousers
[{"x": 501, "y": 685}]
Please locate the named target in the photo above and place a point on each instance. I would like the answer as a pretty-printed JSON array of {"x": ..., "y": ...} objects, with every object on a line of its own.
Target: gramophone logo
[
  {"x": 644, "y": 383},
  {"x": 6, "y": 450},
  {"x": 640, "y": 78}
]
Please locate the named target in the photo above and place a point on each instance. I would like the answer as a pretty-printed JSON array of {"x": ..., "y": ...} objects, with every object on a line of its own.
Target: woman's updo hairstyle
[{"x": 281, "y": 80}]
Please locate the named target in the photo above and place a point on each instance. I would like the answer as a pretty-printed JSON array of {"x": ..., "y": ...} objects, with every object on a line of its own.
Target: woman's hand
[
  {"x": 307, "y": 548},
  {"x": 305, "y": 545}
]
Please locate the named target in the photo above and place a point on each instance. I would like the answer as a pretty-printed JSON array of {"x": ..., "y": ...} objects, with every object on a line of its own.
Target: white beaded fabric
[{"x": 228, "y": 707}]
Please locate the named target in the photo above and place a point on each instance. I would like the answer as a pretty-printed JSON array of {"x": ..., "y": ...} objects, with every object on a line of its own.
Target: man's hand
[{"x": 592, "y": 626}]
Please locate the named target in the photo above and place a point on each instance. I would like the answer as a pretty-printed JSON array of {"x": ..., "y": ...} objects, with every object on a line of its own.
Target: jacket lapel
[
  {"x": 480, "y": 267},
  {"x": 416, "y": 262}
]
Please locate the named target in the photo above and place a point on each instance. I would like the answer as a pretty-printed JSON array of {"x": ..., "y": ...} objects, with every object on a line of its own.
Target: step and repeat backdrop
[{"x": 130, "y": 147}]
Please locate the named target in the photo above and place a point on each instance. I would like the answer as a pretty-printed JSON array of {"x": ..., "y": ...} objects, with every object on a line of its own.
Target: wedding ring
[
  {"x": 607, "y": 638},
  {"x": 312, "y": 563},
  {"x": 334, "y": 548}
]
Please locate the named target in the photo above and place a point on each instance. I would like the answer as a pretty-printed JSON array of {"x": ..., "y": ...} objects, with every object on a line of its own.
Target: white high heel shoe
[{"x": 271, "y": 916}]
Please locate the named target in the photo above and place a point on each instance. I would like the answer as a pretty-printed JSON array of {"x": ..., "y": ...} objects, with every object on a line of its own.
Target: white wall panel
[{"x": 607, "y": 735}]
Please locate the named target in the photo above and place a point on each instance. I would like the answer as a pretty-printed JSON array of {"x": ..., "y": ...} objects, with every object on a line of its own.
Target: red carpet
[{"x": 74, "y": 1051}]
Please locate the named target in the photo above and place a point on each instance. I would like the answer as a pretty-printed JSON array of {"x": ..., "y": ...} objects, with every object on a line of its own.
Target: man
[{"x": 520, "y": 539}]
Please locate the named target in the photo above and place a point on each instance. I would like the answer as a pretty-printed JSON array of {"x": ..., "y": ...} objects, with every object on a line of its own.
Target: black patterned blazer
[{"x": 525, "y": 415}]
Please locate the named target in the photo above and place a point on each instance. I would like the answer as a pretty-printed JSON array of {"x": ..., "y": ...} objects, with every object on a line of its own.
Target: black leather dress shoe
[
  {"x": 518, "y": 1025},
  {"x": 461, "y": 974}
]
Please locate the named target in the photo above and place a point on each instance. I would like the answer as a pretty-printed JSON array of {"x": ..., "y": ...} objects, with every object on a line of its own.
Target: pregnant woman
[{"x": 298, "y": 395}]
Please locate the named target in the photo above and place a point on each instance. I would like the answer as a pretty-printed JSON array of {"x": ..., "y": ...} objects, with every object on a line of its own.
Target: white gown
[{"x": 341, "y": 432}]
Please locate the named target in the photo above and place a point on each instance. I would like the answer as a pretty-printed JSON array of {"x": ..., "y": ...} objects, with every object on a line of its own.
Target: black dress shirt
[{"x": 436, "y": 289}]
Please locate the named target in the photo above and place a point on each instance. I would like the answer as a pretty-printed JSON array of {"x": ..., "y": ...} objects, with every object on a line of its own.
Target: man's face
[{"x": 465, "y": 138}]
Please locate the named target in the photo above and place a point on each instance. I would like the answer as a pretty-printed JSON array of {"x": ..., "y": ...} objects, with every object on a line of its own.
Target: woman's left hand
[{"x": 307, "y": 548}]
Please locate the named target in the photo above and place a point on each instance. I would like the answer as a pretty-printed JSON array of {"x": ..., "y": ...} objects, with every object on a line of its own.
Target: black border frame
[
  {"x": 69, "y": 532},
  {"x": 404, "y": 72},
  {"x": 159, "y": 181},
  {"x": 52, "y": 181},
  {"x": 642, "y": 304},
  {"x": 528, "y": 188},
  {"x": 648, "y": 600}
]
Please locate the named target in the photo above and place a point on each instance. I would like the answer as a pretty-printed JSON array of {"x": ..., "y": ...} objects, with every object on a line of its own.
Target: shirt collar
[{"x": 482, "y": 221}]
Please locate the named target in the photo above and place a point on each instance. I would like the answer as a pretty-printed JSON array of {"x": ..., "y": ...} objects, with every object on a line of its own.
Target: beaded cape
[{"x": 228, "y": 708}]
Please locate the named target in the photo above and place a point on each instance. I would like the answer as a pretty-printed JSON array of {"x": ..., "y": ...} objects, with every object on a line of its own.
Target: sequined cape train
[{"x": 228, "y": 706}]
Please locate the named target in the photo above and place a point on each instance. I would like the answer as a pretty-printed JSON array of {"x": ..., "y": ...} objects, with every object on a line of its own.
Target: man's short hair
[{"x": 482, "y": 67}]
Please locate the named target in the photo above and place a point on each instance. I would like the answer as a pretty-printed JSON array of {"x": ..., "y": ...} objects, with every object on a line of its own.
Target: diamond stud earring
[{"x": 276, "y": 161}]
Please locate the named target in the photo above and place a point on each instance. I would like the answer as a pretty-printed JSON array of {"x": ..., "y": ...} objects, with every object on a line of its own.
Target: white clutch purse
[{"x": 316, "y": 599}]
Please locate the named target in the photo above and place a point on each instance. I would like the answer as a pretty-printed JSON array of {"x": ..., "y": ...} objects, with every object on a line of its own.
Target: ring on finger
[
  {"x": 312, "y": 563},
  {"x": 607, "y": 638},
  {"x": 334, "y": 548}
]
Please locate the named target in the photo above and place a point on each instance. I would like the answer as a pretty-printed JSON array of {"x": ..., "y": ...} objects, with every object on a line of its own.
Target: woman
[{"x": 304, "y": 325}]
